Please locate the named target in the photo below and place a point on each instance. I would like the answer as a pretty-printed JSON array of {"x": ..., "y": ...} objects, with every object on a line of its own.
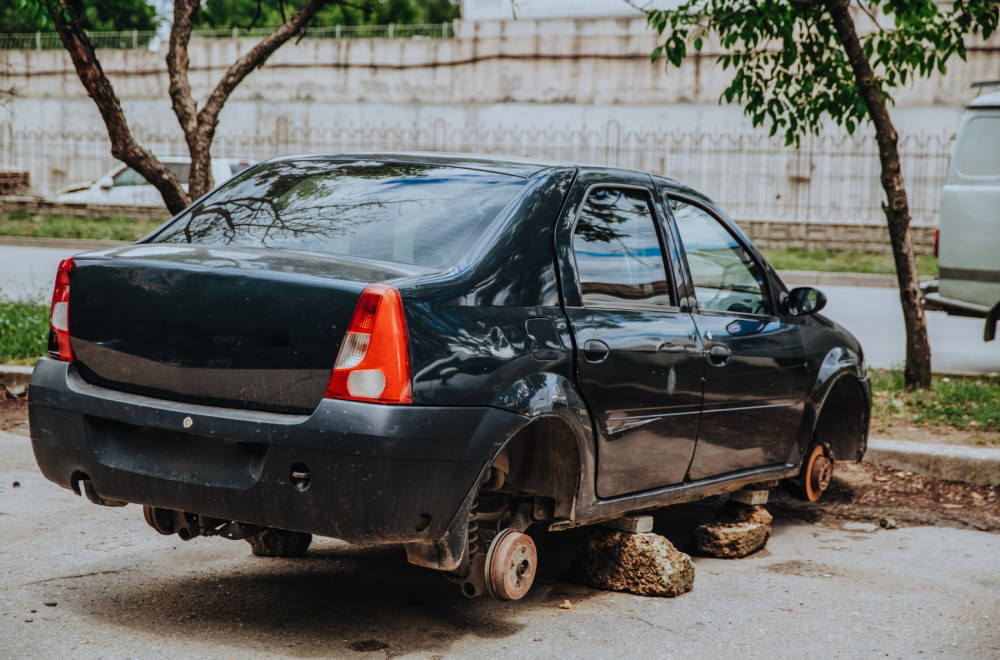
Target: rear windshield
[{"x": 407, "y": 213}]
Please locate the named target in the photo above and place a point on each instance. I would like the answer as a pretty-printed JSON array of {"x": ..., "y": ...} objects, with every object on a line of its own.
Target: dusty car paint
[{"x": 203, "y": 393}]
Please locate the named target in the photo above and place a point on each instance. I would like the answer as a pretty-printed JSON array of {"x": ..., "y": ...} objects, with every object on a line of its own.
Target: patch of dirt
[
  {"x": 13, "y": 412},
  {"x": 885, "y": 496}
]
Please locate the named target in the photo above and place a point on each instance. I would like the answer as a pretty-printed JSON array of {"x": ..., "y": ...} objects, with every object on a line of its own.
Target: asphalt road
[
  {"x": 29, "y": 271},
  {"x": 872, "y": 314},
  {"x": 875, "y": 317},
  {"x": 119, "y": 590}
]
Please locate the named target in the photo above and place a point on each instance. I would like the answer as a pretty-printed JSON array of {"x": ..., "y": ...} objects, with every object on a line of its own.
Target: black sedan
[{"x": 438, "y": 351}]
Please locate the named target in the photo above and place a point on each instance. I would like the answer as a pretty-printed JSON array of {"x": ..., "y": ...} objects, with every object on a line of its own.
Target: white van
[
  {"x": 968, "y": 242},
  {"x": 123, "y": 185}
]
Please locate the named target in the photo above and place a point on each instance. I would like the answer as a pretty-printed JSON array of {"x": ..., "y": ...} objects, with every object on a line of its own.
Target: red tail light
[
  {"x": 59, "y": 347},
  {"x": 374, "y": 361},
  {"x": 937, "y": 239}
]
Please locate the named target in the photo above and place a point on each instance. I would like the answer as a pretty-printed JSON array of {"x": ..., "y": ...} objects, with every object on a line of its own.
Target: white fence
[{"x": 830, "y": 179}]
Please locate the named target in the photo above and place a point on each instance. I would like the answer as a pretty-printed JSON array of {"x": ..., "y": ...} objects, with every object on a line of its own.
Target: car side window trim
[
  {"x": 766, "y": 288},
  {"x": 665, "y": 252}
]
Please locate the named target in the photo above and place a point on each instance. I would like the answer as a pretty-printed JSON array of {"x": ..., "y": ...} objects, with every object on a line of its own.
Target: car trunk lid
[{"x": 236, "y": 327}]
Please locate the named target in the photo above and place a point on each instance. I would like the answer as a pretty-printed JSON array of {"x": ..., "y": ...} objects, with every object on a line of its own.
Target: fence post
[
  {"x": 236, "y": 33},
  {"x": 38, "y": 41},
  {"x": 135, "y": 40},
  {"x": 390, "y": 30},
  {"x": 337, "y": 31},
  {"x": 444, "y": 29}
]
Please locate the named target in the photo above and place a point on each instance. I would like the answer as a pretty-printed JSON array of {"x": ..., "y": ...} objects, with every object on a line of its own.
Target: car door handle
[
  {"x": 676, "y": 346},
  {"x": 595, "y": 350},
  {"x": 719, "y": 356}
]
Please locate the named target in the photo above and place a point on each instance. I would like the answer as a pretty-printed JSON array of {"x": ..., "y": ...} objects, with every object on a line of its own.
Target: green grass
[
  {"x": 24, "y": 330},
  {"x": 837, "y": 261},
  {"x": 40, "y": 225},
  {"x": 966, "y": 403}
]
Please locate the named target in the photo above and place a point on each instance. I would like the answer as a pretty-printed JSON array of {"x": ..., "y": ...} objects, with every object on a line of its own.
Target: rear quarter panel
[{"x": 466, "y": 326}]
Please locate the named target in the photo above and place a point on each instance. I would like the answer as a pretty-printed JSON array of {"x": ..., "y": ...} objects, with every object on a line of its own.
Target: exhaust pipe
[{"x": 91, "y": 493}]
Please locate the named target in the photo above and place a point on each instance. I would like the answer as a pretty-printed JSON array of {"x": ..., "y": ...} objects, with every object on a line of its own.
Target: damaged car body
[{"x": 438, "y": 351}]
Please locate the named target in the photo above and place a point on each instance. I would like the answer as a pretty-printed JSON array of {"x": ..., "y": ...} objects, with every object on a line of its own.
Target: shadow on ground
[{"x": 339, "y": 598}]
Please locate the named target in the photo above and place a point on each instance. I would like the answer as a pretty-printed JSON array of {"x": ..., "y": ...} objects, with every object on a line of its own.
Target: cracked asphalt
[{"x": 84, "y": 581}]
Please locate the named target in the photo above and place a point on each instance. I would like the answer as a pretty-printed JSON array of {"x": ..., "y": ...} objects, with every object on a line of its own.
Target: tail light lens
[
  {"x": 59, "y": 347},
  {"x": 937, "y": 239},
  {"x": 374, "y": 361}
]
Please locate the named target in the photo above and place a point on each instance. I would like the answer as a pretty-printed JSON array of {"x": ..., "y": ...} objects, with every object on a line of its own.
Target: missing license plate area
[{"x": 176, "y": 456}]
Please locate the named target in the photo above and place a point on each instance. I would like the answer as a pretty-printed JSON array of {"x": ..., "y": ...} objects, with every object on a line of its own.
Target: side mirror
[
  {"x": 805, "y": 300},
  {"x": 106, "y": 183}
]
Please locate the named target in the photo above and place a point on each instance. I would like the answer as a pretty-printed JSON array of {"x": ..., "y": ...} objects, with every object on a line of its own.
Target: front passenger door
[{"x": 755, "y": 363}]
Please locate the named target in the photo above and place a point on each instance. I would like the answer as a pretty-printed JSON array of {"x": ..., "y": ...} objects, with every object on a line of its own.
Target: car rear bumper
[{"x": 375, "y": 469}]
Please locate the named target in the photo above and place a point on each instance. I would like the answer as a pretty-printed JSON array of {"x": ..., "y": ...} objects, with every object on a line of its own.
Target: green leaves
[{"x": 789, "y": 69}]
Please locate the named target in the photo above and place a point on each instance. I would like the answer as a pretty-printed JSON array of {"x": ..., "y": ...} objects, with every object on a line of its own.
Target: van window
[{"x": 976, "y": 152}]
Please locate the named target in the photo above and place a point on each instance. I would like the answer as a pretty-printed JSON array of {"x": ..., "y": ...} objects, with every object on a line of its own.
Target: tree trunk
[
  {"x": 123, "y": 145},
  {"x": 199, "y": 127},
  {"x": 917, "y": 371}
]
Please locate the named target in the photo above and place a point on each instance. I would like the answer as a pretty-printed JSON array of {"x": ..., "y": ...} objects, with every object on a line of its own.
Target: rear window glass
[{"x": 408, "y": 213}]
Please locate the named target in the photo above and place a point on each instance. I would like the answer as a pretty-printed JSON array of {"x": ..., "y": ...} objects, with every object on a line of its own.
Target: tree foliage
[
  {"x": 24, "y": 16},
  {"x": 796, "y": 64},
  {"x": 272, "y": 13},
  {"x": 20, "y": 16},
  {"x": 790, "y": 70}
]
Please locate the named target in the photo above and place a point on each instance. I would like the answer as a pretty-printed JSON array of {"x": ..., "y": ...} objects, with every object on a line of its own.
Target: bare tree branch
[
  {"x": 178, "y": 63},
  {"x": 123, "y": 145},
  {"x": 208, "y": 116}
]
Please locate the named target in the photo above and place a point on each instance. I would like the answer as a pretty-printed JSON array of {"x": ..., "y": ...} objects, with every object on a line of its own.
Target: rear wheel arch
[{"x": 544, "y": 459}]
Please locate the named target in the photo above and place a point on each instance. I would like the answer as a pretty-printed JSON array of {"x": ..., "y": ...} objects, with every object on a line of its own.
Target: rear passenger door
[{"x": 639, "y": 364}]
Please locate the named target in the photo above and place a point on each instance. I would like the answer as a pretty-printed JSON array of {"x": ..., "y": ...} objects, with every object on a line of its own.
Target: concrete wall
[{"x": 579, "y": 90}]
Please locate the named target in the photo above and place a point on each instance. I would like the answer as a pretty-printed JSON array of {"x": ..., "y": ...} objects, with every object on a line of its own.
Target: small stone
[
  {"x": 565, "y": 605},
  {"x": 860, "y": 527},
  {"x": 645, "y": 564},
  {"x": 51, "y": 604},
  {"x": 756, "y": 497},
  {"x": 16, "y": 484},
  {"x": 29, "y": 619},
  {"x": 634, "y": 524},
  {"x": 737, "y": 531},
  {"x": 887, "y": 523},
  {"x": 17, "y": 391}
]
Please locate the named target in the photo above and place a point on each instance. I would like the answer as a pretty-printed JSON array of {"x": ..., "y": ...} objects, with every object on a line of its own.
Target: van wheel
[{"x": 279, "y": 543}]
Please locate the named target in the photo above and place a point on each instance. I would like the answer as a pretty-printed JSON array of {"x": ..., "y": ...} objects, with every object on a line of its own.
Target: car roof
[{"x": 518, "y": 167}]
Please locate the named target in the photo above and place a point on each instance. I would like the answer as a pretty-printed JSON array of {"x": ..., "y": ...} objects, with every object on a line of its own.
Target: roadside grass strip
[
  {"x": 841, "y": 261},
  {"x": 24, "y": 330},
  {"x": 39, "y": 225},
  {"x": 962, "y": 402}
]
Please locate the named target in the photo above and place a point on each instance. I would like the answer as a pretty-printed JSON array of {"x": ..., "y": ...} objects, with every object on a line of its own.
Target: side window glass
[
  {"x": 182, "y": 171},
  {"x": 129, "y": 177},
  {"x": 618, "y": 255},
  {"x": 726, "y": 277}
]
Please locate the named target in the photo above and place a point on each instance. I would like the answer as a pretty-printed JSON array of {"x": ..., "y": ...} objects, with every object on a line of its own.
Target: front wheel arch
[{"x": 842, "y": 422}]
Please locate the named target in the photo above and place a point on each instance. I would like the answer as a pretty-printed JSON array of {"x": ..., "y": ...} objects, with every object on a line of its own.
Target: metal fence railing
[
  {"x": 141, "y": 40},
  {"x": 831, "y": 179}
]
